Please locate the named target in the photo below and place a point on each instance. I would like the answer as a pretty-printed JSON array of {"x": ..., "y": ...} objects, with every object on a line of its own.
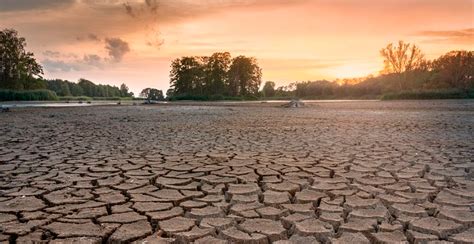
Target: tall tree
[
  {"x": 64, "y": 89},
  {"x": 401, "y": 59},
  {"x": 245, "y": 76},
  {"x": 75, "y": 89},
  {"x": 87, "y": 87},
  {"x": 124, "y": 91},
  {"x": 456, "y": 68},
  {"x": 187, "y": 76},
  {"x": 152, "y": 94},
  {"x": 169, "y": 93},
  {"x": 216, "y": 68},
  {"x": 269, "y": 89},
  {"x": 17, "y": 66}
]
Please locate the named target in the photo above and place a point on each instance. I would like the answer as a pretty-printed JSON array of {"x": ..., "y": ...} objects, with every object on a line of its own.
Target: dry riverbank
[{"x": 365, "y": 171}]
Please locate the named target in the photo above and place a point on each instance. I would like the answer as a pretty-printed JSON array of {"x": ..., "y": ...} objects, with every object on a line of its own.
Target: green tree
[
  {"x": 124, "y": 91},
  {"x": 152, "y": 94},
  {"x": 269, "y": 89},
  {"x": 64, "y": 90},
  {"x": 17, "y": 66},
  {"x": 245, "y": 76},
  {"x": 456, "y": 69},
  {"x": 216, "y": 68},
  {"x": 187, "y": 76},
  {"x": 169, "y": 93},
  {"x": 88, "y": 88},
  {"x": 75, "y": 89},
  {"x": 215, "y": 75},
  {"x": 61, "y": 87}
]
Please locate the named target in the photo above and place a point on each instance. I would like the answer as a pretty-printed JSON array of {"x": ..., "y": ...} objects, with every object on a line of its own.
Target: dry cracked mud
[{"x": 341, "y": 172}]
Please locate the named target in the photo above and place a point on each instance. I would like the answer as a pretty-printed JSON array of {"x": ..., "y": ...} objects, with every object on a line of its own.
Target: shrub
[
  {"x": 79, "y": 98},
  {"x": 28, "y": 95},
  {"x": 430, "y": 94},
  {"x": 186, "y": 97},
  {"x": 108, "y": 98},
  {"x": 86, "y": 98}
]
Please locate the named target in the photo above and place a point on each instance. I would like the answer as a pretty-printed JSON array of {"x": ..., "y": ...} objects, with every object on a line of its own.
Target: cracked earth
[{"x": 360, "y": 172}]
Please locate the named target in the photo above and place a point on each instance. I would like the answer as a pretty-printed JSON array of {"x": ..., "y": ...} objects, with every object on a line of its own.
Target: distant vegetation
[
  {"x": 430, "y": 94},
  {"x": 21, "y": 77},
  {"x": 214, "y": 77},
  {"x": 152, "y": 94},
  {"x": 28, "y": 95},
  {"x": 407, "y": 74},
  {"x": 86, "y": 88}
]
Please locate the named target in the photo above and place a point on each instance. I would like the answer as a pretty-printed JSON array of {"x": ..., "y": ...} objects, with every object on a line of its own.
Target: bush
[
  {"x": 86, "y": 98},
  {"x": 109, "y": 98},
  {"x": 28, "y": 95},
  {"x": 185, "y": 97},
  {"x": 79, "y": 98},
  {"x": 216, "y": 97},
  {"x": 430, "y": 94}
]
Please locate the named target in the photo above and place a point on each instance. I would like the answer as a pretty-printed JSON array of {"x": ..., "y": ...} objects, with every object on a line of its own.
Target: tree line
[
  {"x": 215, "y": 75},
  {"x": 406, "y": 72},
  {"x": 19, "y": 71},
  {"x": 86, "y": 88},
  {"x": 219, "y": 76},
  {"x": 18, "y": 67}
]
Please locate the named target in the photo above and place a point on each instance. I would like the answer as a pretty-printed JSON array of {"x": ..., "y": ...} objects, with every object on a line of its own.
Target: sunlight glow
[
  {"x": 292, "y": 40},
  {"x": 351, "y": 71}
]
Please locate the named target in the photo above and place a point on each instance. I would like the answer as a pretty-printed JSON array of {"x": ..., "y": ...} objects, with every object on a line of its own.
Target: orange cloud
[
  {"x": 293, "y": 40},
  {"x": 463, "y": 36}
]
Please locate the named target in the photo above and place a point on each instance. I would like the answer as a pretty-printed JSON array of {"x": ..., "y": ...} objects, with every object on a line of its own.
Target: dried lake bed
[{"x": 330, "y": 172}]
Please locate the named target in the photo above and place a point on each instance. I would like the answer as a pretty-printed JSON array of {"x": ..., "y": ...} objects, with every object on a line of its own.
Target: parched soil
[{"x": 340, "y": 172}]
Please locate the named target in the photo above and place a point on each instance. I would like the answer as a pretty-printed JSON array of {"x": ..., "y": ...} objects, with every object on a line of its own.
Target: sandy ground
[{"x": 340, "y": 172}]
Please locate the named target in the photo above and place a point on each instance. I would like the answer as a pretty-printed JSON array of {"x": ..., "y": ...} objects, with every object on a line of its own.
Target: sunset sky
[{"x": 134, "y": 41}]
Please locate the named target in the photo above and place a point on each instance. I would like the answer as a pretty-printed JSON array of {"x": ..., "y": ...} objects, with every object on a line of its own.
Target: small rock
[{"x": 295, "y": 103}]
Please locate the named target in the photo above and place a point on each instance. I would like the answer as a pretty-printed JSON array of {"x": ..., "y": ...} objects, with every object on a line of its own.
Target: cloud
[
  {"x": 116, "y": 48},
  {"x": 299, "y": 63},
  {"x": 451, "y": 33},
  {"x": 61, "y": 65},
  {"x": 27, "y": 5},
  {"x": 156, "y": 43},
  {"x": 463, "y": 36},
  {"x": 93, "y": 60},
  {"x": 140, "y": 8},
  {"x": 63, "y": 62},
  {"x": 129, "y": 9},
  {"x": 110, "y": 17},
  {"x": 154, "y": 39},
  {"x": 53, "y": 54},
  {"x": 152, "y": 5},
  {"x": 58, "y": 62},
  {"x": 178, "y": 9},
  {"x": 89, "y": 37}
]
